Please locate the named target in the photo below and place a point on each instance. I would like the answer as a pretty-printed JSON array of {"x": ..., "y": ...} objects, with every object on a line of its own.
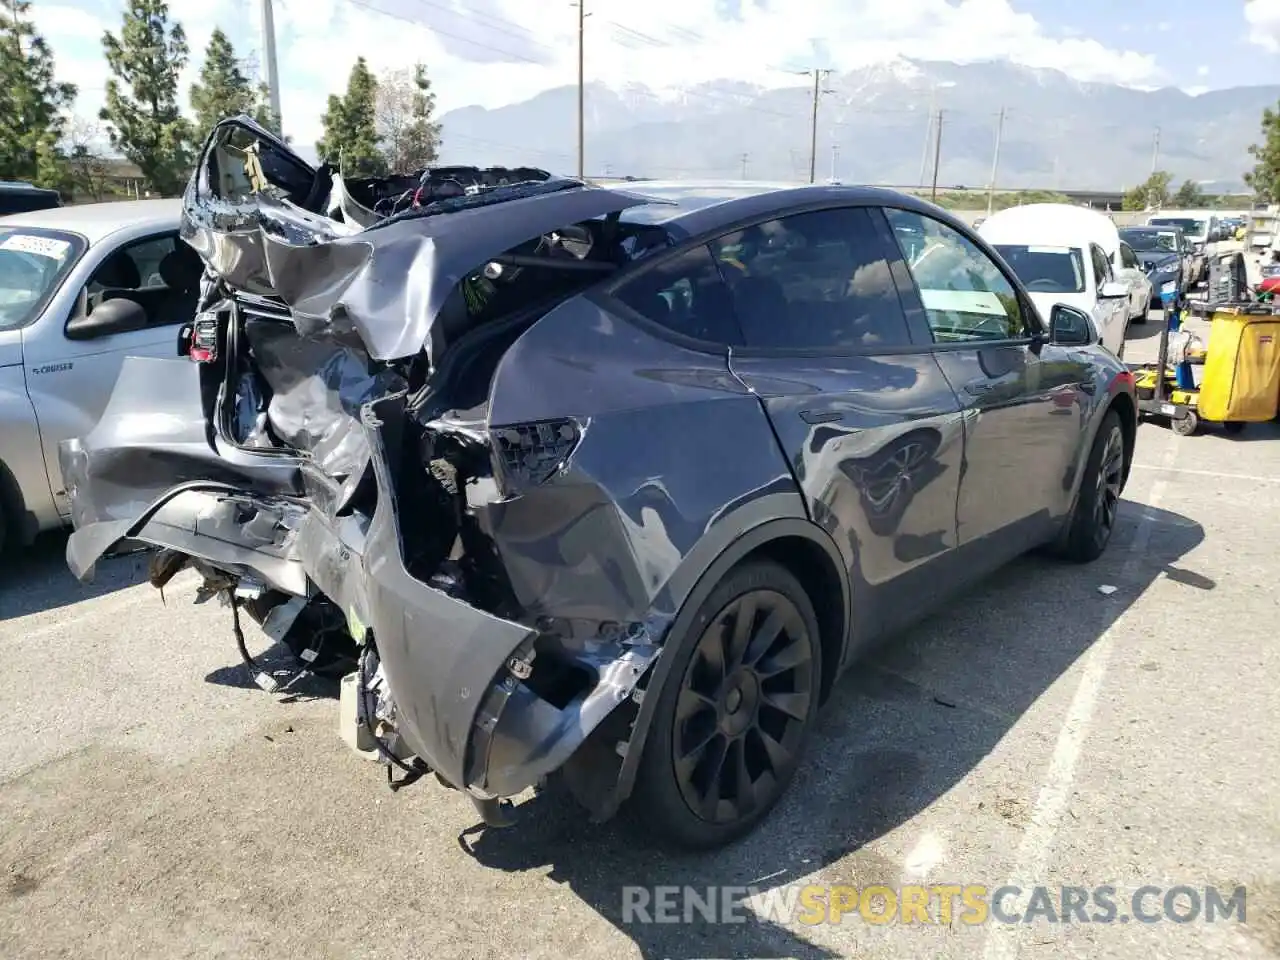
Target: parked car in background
[
  {"x": 1128, "y": 270},
  {"x": 17, "y": 196},
  {"x": 81, "y": 288},
  {"x": 1057, "y": 251},
  {"x": 603, "y": 485},
  {"x": 1199, "y": 230},
  {"x": 1165, "y": 256}
]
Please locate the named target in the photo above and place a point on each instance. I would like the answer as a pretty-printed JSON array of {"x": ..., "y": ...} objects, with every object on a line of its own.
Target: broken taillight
[
  {"x": 204, "y": 338},
  {"x": 528, "y": 454}
]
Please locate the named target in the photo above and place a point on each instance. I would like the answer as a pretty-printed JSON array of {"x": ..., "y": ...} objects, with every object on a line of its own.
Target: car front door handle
[{"x": 979, "y": 387}]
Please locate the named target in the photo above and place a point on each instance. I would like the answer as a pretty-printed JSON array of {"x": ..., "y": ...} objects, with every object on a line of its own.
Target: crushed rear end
[{"x": 323, "y": 454}]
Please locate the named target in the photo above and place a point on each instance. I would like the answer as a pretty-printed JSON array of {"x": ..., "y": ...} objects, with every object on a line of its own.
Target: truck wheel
[{"x": 735, "y": 712}]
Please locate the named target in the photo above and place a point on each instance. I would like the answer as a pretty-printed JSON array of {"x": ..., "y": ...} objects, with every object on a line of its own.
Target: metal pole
[
  {"x": 17, "y": 34},
  {"x": 582, "y": 136},
  {"x": 813, "y": 128},
  {"x": 995, "y": 164},
  {"x": 928, "y": 135},
  {"x": 937, "y": 159},
  {"x": 835, "y": 155},
  {"x": 269, "y": 62},
  {"x": 1155, "y": 163}
]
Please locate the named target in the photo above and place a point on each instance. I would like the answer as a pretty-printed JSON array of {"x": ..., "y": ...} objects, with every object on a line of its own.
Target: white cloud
[
  {"x": 1263, "y": 17},
  {"x": 494, "y": 52},
  {"x": 1164, "y": 26},
  {"x": 1202, "y": 71}
]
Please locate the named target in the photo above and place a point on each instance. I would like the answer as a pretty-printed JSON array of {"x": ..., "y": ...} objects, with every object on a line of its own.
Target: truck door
[{"x": 70, "y": 377}]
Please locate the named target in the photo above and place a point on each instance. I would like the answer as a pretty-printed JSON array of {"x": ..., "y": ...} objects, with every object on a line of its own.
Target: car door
[
  {"x": 864, "y": 414},
  {"x": 1131, "y": 275},
  {"x": 1110, "y": 314},
  {"x": 70, "y": 380},
  {"x": 1023, "y": 400}
]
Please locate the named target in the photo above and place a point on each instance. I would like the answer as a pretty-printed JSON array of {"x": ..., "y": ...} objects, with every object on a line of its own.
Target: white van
[{"x": 1072, "y": 255}]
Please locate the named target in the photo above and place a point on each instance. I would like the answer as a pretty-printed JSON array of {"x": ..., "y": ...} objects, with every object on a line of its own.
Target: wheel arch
[
  {"x": 1123, "y": 404},
  {"x": 807, "y": 551},
  {"x": 17, "y": 526}
]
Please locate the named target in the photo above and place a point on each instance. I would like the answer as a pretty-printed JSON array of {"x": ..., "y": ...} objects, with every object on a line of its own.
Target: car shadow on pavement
[
  {"x": 901, "y": 730},
  {"x": 1144, "y": 331},
  {"x": 294, "y": 683},
  {"x": 35, "y": 578}
]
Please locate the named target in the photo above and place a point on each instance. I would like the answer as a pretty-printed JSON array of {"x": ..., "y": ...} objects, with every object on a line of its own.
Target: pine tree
[
  {"x": 32, "y": 102},
  {"x": 223, "y": 90},
  {"x": 145, "y": 122},
  {"x": 350, "y": 139},
  {"x": 409, "y": 137},
  {"x": 1264, "y": 178}
]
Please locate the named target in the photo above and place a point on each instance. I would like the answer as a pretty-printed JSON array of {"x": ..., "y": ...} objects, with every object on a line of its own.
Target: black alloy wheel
[
  {"x": 734, "y": 712},
  {"x": 1109, "y": 483},
  {"x": 743, "y": 707},
  {"x": 1093, "y": 520}
]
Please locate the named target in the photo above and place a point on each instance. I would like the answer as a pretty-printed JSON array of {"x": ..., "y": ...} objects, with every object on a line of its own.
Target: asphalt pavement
[{"x": 1045, "y": 731}]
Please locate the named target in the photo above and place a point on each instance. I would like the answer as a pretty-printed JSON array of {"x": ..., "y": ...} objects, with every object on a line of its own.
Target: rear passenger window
[
  {"x": 686, "y": 295},
  {"x": 816, "y": 281}
]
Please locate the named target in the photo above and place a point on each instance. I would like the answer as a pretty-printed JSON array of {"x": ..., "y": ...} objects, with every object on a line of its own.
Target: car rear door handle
[{"x": 821, "y": 416}]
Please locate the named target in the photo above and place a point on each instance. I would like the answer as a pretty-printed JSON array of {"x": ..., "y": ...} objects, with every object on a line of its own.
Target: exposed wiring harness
[
  {"x": 412, "y": 771},
  {"x": 260, "y": 676}
]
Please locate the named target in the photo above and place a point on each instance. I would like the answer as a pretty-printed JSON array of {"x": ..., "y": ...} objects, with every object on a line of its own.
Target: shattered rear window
[{"x": 483, "y": 198}]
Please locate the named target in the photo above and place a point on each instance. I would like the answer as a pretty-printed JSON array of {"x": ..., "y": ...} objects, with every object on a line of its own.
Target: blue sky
[{"x": 493, "y": 52}]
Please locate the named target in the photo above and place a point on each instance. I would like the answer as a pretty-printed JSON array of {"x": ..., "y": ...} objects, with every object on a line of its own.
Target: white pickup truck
[{"x": 81, "y": 288}]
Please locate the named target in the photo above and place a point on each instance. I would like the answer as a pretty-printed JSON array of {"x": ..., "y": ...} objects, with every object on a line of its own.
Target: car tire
[
  {"x": 714, "y": 725},
  {"x": 1093, "y": 519}
]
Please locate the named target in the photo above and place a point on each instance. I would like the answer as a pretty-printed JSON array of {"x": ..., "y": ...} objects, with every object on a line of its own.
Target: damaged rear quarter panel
[{"x": 676, "y": 461}]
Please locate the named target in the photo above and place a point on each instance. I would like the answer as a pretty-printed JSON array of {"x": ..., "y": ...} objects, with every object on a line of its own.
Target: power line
[{"x": 445, "y": 33}]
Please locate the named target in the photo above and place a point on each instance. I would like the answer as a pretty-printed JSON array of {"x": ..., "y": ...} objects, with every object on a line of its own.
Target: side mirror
[
  {"x": 1112, "y": 291},
  {"x": 109, "y": 317},
  {"x": 1070, "y": 327}
]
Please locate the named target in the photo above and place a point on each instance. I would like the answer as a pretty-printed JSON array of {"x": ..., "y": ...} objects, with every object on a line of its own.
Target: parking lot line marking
[
  {"x": 1251, "y": 478},
  {"x": 1003, "y": 940}
]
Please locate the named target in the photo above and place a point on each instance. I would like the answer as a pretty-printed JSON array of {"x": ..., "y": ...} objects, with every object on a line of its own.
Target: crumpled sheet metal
[
  {"x": 387, "y": 285},
  {"x": 318, "y": 388},
  {"x": 384, "y": 285}
]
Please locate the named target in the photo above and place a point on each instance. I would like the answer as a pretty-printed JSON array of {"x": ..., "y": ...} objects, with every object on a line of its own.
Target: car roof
[
  {"x": 94, "y": 221},
  {"x": 700, "y": 206},
  {"x": 1058, "y": 224}
]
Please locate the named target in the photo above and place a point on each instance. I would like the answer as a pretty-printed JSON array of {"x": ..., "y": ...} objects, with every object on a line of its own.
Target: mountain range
[{"x": 874, "y": 127}]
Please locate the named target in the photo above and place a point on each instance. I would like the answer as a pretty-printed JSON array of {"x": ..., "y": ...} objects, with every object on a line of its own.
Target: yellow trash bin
[{"x": 1241, "y": 380}]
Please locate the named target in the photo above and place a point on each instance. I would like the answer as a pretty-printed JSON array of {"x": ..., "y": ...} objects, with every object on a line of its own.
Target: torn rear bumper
[{"x": 457, "y": 674}]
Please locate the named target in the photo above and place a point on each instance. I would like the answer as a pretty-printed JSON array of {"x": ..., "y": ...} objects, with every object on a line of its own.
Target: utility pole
[
  {"x": 582, "y": 92},
  {"x": 17, "y": 34},
  {"x": 937, "y": 158},
  {"x": 924, "y": 154},
  {"x": 818, "y": 77},
  {"x": 269, "y": 62},
  {"x": 744, "y": 159},
  {"x": 995, "y": 164},
  {"x": 1155, "y": 164}
]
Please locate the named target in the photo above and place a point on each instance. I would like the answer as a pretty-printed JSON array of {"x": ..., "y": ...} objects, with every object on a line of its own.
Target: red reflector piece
[{"x": 200, "y": 354}]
